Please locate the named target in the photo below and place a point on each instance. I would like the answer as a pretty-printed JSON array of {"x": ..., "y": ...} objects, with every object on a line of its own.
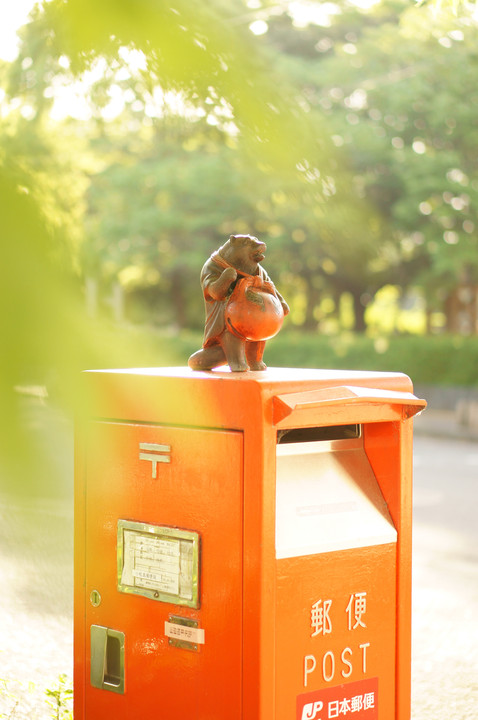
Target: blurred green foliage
[
  {"x": 346, "y": 141},
  {"x": 446, "y": 360}
]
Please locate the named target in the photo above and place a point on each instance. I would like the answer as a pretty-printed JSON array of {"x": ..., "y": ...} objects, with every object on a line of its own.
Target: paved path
[
  {"x": 36, "y": 604},
  {"x": 445, "y": 580}
]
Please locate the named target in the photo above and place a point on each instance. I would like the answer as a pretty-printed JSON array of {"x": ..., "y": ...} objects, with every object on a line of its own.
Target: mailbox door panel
[{"x": 152, "y": 477}]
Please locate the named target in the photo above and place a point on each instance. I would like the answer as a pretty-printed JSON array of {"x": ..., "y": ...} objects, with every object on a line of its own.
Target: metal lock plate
[{"x": 107, "y": 659}]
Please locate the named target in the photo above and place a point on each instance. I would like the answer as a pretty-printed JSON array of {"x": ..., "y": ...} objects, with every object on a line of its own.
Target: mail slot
[{"x": 243, "y": 545}]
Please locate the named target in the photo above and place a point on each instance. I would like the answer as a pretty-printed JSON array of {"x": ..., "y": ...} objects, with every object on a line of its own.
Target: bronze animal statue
[{"x": 243, "y": 307}]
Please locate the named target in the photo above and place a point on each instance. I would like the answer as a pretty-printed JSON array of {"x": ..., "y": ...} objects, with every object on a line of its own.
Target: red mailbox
[{"x": 243, "y": 545}]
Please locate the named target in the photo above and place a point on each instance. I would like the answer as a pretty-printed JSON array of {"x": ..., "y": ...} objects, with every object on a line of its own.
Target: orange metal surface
[
  {"x": 348, "y": 646},
  {"x": 188, "y": 493},
  {"x": 255, "y": 609},
  {"x": 253, "y": 311}
]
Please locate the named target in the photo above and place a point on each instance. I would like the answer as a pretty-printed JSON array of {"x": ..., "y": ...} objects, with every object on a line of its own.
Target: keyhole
[{"x": 95, "y": 598}]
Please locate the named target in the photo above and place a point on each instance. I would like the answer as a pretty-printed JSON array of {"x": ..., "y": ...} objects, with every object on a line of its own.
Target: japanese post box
[{"x": 243, "y": 545}]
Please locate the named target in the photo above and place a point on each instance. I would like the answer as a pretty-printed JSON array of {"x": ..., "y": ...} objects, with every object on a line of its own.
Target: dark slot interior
[
  {"x": 313, "y": 434},
  {"x": 113, "y": 661}
]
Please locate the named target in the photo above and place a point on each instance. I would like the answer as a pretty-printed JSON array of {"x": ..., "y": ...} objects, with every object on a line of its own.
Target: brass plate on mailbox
[
  {"x": 160, "y": 563},
  {"x": 184, "y": 633}
]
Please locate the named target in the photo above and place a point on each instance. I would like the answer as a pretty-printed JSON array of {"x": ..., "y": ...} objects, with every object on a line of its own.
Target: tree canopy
[
  {"x": 136, "y": 135},
  {"x": 341, "y": 134}
]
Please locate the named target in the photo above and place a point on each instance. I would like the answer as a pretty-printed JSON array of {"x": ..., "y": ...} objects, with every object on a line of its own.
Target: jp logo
[{"x": 311, "y": 710}]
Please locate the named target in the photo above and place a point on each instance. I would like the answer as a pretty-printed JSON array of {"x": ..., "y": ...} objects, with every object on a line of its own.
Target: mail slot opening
[
  {"x": 328, "y": 499},
  {"x": 314, "y": 434}
]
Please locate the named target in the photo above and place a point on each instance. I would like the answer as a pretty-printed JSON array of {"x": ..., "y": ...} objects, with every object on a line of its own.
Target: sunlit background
[
  {"x": 136, "y": 138},
  {"x": 136, "y": 135}
]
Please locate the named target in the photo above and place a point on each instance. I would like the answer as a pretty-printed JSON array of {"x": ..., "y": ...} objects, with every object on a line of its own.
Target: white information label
[
  {"x": 153, "y": 562},
  {"x": 161, "y": 563}
]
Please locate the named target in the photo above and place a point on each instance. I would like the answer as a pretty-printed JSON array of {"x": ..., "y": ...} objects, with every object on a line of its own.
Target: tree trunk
[
  {"x": 312, "y": 300},
  {"x": 359, "y": 311},
  {"x": 178, "y": 298}
]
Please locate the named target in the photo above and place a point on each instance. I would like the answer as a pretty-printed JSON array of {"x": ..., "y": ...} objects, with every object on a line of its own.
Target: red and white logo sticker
[{"x": 352, "y": 701}]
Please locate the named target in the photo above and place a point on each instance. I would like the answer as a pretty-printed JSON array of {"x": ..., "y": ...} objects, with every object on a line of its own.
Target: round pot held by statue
[
  {"x": 243, "y": 307},
  {"x": 253, "y": 311}
]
